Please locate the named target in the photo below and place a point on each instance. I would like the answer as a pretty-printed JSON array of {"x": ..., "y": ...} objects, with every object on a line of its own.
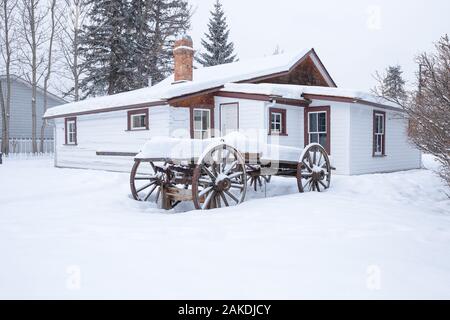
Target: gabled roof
[
  {"x": 204, "y": 79},
  {"x": 28, "y": 84}
]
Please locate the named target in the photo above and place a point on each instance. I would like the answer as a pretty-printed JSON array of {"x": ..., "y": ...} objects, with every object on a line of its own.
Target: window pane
[
  {"x": 139, "y": 121},
  {"x": 322, "y": 122},
  {"x": 313, "y": 138},
  {"x": 197, "y": 119},
  {"x": 313, "y": 122},
  {"x": 379, "y": 144},
  {"x": 323, "y": 140},
  {"x": 379, "y": 124},
  {"x": 276, "y": 124},
  {"x": 205, "y": 119}
]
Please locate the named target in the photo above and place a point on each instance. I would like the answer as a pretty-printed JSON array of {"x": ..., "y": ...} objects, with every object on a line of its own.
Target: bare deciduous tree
[
  {"x": 7, "y": 37},
  {"x": 428, "y": 107},
  {"x": 53, "y": 29},
  {"x": 35, "y": 34},
  {"x": 73, "y": 15}
]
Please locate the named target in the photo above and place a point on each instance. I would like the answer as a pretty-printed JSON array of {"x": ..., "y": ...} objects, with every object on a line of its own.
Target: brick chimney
[{"x": 183, "y": 53}]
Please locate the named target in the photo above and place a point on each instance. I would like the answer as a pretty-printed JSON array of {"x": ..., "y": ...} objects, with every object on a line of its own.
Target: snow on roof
[
  {"x": 297, "y": 92},
  {"x": 204, "y": 79}
]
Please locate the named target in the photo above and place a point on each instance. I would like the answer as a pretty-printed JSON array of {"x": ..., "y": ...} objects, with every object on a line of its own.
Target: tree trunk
[
  {"x": 6, "y": 106},
  {"x": 5, "y": 139},
  {"x": 49, "y": 72},
  {"x": 33, "y": 78}
]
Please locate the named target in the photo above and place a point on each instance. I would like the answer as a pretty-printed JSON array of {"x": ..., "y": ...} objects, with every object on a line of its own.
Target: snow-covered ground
[{"x": 78, "y": 234}]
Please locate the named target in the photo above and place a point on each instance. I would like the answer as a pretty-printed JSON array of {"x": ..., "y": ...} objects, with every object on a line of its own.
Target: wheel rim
[
  {"x": 220, "y": 179},
  {"x": 314, "y": 170}
]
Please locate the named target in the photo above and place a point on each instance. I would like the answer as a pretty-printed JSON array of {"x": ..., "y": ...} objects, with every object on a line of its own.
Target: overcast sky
[{"x": 354, "y": 38}]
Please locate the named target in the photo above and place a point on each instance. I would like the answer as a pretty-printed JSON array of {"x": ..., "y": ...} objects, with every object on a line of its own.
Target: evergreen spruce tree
[
  {"x": 218, "y": 49},
  {"x": 103, "y": 45},
  {"x": 128, "y": 42},
  {"x": 393, "y": 83},
  {"x": 157, "y": 24}
]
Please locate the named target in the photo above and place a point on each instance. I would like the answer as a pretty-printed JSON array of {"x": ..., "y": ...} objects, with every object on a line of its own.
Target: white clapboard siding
[
  {"x": 180, "y": 122},
  {"x": 294, "y": 126},
  {"x": 400, "y": 154},
  {"x": 107, "y": 132}
]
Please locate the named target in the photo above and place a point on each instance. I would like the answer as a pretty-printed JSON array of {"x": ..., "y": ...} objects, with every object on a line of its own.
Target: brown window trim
[
  {"x": 383, "y": 154},
  {"x": 326, "y": 109},
  {"x": 133, "y": 112},
  {"x": 283, "y": 132},
  {"x": 66, "y": 142},
  {"x": 211, "y": 115}
]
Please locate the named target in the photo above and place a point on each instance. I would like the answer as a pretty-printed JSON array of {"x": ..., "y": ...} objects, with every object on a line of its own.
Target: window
[
  {"x": 138, "y": 120},
  {"x": 71, "y": 131},
  {"x": 202, "y": 123},
  {"x": 317, "y": 126},
  {"x": 379, "y": 133},
  {"x": 277, "y": 122}
]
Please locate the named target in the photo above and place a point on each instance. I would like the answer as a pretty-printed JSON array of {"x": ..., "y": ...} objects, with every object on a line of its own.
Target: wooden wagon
[{"x": 217, "y": 172}]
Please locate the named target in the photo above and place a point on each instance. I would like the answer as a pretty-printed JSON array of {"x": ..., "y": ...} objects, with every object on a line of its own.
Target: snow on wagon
[{"x": 216, "y": 172}]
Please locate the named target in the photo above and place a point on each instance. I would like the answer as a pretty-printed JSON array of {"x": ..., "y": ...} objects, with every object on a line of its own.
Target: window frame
[
  {"x": 67, "y": 121},
  {"x": 210, "y": 127},
  {"x": 283, "y": 123},
  {"x": 134, "y": 113},
  {"x": 375, "y": 153},
  {"x": 319, "y": 109}
]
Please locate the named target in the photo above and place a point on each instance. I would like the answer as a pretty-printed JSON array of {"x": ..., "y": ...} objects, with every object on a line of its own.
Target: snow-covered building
[{"x": 290, "y": 97}]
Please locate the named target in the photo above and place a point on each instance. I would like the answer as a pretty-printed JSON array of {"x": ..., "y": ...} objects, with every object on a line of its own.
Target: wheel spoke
[
  {"x": 323, "y": 184},
  {"x": 320, "y": 159},
  {"x": 260, "y": 182},
  {"x": 145, "y": 187},
  {"x": 308, "y": 182},
  {"x": 235, "y": 175},
  {"x": 205, "y": 181},
  {"x": 217, "y": 197},
  {"x": 232, "y": 196},
  {"x": 204, "y": 191},
  {"x": 317, "y": 186},
  {"x": 309, "y": 159},
  {"x": 145, "y": 178},
  {"x": 208, "y": 200},
  {"x": 233, "y": 165},
  {"x": 237, "y": 186},
  {"x": 210, "y": 173},
  {"x": 306, "y": 175},
  {"x": 150, "y": 193},
  {"x": 224, "y": 159},
  {"x": 307, "y": 166},
  {"x": 214, "y": 169},
  {"x": 224, "y": 199},
  {"x": 158, "y": 193}
]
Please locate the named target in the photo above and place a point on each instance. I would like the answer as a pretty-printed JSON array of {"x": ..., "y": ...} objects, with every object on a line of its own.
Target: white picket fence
[{"x": 24, "y": 145}]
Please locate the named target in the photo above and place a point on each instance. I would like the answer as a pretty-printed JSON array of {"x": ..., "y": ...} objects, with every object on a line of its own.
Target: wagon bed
[{"x": 216, "y": 172}]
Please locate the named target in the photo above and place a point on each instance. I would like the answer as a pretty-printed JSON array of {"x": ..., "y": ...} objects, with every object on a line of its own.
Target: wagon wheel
[
  {"x": 219, "y": 179},
  {"x": 148, "y": 183},
  {"x": 314, "y": 169},
  {"x": 256, "y": 180}
]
